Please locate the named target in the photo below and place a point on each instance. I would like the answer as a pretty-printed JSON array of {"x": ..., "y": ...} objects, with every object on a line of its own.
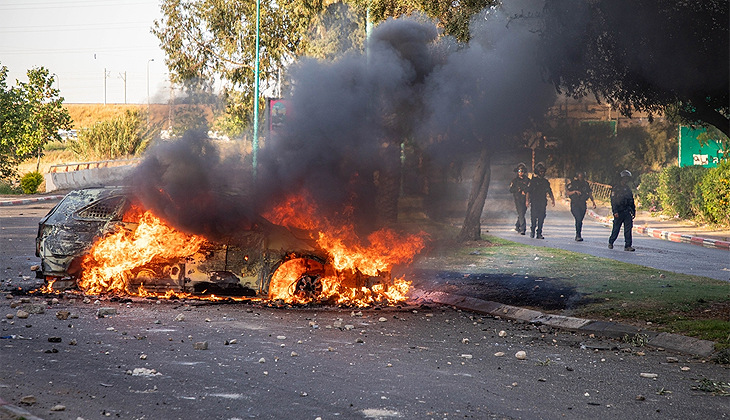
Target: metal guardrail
[
  {"x": 601, "y": 191},
  {"x": 70, "y": 167}
]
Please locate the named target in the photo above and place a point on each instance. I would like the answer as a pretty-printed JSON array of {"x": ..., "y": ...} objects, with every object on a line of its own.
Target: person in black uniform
[
  {"x": 537, "y": 193},
  {"x": 579, "y": 191},
  {"x": 518, "y": 188},
  {"x": 624, "y": 211}
]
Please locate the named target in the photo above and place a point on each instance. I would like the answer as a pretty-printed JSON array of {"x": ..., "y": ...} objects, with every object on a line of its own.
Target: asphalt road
[
  {"x": 295, "y": 363},
  {"x": 413, "y": 363}
]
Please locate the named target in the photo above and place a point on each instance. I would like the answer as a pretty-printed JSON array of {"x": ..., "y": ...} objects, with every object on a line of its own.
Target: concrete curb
[
  {"x": 662, "y": 234},
  {"x": 614, "y": 330},
  {"x": 30, "y": 200},
  {"x": 16, "y": 412}
]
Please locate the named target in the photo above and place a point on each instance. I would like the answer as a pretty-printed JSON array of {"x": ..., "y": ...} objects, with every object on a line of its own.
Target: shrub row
[
  {"x": 121, "y": 136},
  {"x": 692, "y": 192}
]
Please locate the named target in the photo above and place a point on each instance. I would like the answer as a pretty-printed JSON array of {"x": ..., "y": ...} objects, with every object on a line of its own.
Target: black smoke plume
[{"x": 349, "y": 117}]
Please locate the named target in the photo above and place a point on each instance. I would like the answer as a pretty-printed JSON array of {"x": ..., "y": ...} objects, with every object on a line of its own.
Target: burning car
[{"x": 101, "y": 241}]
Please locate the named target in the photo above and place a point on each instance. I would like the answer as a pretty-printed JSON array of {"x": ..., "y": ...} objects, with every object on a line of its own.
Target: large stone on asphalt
[
  {"x": 102, "y": 312},
  {"x": 34, "y": 308},
  {"x": 28, "y": 400}
]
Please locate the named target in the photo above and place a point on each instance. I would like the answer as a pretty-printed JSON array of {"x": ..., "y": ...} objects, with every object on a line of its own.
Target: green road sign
[{"x": 691, "y": 152}]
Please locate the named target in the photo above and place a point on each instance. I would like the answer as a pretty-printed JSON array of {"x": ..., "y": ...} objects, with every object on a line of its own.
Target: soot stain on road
[{"x": 520, "y": 290}]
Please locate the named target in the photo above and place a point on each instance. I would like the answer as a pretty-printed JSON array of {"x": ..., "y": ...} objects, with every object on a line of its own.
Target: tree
[
  {"x": 30, "y": 115},
  {"x": 12, "y": 113},
  {"x": 209, "y": 39},
  {"x": 453, "y": 17},
  {"x": 642, "y": 55}
]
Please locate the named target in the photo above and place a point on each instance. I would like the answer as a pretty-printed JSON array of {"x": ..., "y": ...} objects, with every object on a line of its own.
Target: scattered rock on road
[
  {"x": 34, "y": 308},
  {"x": 28, "y": 400},
  {"x": 521, "y": 355},
  {"x": 102, "y": 312}
]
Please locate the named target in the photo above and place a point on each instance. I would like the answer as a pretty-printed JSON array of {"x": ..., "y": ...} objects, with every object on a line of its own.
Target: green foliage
[
  {"x": 30, "y": 115},
  {"x": 647, "y": 195},
  {"x": 637, "y": 340},
  {"x": 679, "y": 191},
  {"x": 126, "y": 135},
  {"x": 588, "y": 147},
  {"x": 692, "y": 192},
  {"x": 593, "y": 148},
  {"x": 715, "y": 189},
  {"x": 337, "y": 30},
  {"x": 189, "y": 118},
  {"x": 6, "y": 188},
  {"x": 715, "y": 387},
  {"x": 453, "y": 16},
  {"x": 30, "y": 182}
]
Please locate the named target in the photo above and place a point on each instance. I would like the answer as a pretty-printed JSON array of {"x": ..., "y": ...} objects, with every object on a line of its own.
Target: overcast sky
[{"x": 78, "y": 39}]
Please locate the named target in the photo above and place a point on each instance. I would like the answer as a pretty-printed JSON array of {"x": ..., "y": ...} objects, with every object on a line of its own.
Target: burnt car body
[{"x": 242, "y": 265}]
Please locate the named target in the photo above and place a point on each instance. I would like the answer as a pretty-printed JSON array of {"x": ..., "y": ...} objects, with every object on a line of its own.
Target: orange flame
[
  {"x": 350, "y": 259},
  {"x": 108, "y": 266}
]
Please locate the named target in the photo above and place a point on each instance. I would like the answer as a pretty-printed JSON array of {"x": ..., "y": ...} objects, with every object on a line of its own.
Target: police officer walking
[
  {"x": 579, "y": 191},
  {"x": 624, "y": 211},
  {"x": 537, "y": 193},
  {"x": 518, "y": 188}
]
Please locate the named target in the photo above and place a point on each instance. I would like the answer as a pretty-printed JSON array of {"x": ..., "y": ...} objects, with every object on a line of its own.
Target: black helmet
[
  {"x": 540, "y": 167},
  {"x": 578, "y": 173},
  {"x": 626, "y": 174},
  {"x": 521, "y": 166}
]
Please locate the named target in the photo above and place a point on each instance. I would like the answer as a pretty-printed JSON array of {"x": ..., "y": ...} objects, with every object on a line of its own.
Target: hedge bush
[
  {"x": 679, "y": 191},
  {"x": 715, "y": 189},
  {"x": 646, "y": 193},
  {"x": 30, "y": 182}
]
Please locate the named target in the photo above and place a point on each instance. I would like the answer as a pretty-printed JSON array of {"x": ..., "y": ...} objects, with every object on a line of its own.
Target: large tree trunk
[{"x": 472, "y": 228}]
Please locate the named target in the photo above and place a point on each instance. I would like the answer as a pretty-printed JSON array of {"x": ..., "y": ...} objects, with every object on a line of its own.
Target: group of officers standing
[{"x": 534, "y": 193}]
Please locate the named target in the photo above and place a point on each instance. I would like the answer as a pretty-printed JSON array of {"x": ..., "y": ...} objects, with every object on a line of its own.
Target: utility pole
[
  {"x": 148, "y": 91},
  {"x": 124, "y": 78},
  {"x": 106, "y": 74}
]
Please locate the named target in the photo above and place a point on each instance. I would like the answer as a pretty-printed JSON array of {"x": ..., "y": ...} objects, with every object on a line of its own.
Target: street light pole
[
  {"x": 148, "y": 90},
  {"x": 256, "y": 92}
]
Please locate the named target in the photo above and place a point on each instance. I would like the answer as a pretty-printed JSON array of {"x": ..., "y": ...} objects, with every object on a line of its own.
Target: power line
[
  {"x": 68, "y": 4},
  {"x": 79, "y": 27}
]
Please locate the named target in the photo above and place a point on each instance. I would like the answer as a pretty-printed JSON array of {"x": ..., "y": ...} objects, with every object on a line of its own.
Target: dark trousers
[
  {"x": 521, "y": 223},
  {"x": 578, "y": 209},
  {"x": 537, "y": 217},
  {"x": 624, "y": 218}
]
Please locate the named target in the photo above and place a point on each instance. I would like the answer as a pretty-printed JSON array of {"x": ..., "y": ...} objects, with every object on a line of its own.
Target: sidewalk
[
  {"x": 14, "y": 200},
  {"x": 662, "y": 227}
]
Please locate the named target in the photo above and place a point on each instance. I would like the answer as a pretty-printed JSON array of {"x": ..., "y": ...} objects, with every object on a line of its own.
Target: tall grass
[
  {"x": 86, "y": 115},
  {"x": 122, "y": 136}
]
